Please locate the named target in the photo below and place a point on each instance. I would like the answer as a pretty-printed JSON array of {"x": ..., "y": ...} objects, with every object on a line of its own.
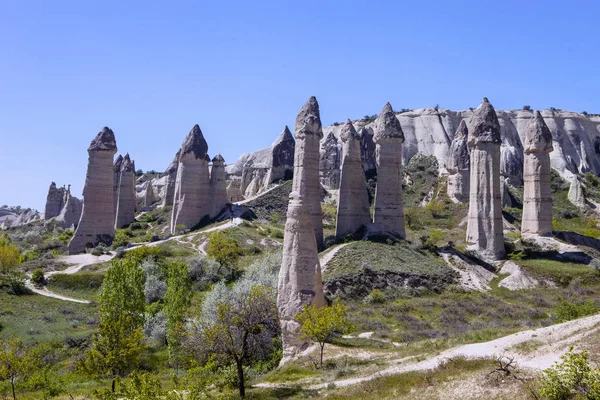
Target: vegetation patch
[{"x": 274, "y": 202}]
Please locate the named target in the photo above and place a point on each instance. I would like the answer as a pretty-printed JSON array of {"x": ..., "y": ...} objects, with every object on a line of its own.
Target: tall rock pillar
[
  {"x": 484, "y": 223},
  {"x": 191, "y": 201},
  {"x": 170, "y": 179},
  {"x": 54, "y": 201},
  {"x": 126, "y": 198},
  {"x": 116, "y": 177},
  {"x": 218, "y": 185},
  {"x": 537, "y": 196},
  {"x": 353, "y": 200},
  {"x": 458, "y": 165},
  {"x": 97, "y": 223},
  {"x": 308, "y": 133},
  {"x": 389, "y": 204}
]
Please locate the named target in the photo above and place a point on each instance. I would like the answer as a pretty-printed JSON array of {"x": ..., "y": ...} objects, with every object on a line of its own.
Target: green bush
[
  {"x": 572, "y": 378},
  {"x": 37, "y": 276},
  {"x": 122, "y": 238},
  {"x": 566, "y": 310},
  {"x": 79, "y": 281}
]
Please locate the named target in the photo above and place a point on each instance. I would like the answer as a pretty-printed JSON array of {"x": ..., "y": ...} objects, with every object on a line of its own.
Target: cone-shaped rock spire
[
  {"x": 330, "y": 161},
  {"x": 218, "y": 185},
  {"x": 389, "y": 204},
  {"x": 308, "y": 133},
  {"x": 170, "y": 178},
  {"x": 458, "y": 165},
  {"x": 353, "y": 200},
  {"x": 537, "y": 195},
  {"x": 484, "y": 226},
  {"x": 126, "y": 198},
  {"x": 97, "y": 223},
  {"x": 54, "y": 201},
  {"x": 191, "y": 200}
]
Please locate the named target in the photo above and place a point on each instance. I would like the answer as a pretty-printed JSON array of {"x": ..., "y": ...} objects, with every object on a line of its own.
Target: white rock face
[
  {"x": 458, "y": 165},
  {"x": 330, "y": 161},
  {"x": 484, "y": 221},
  {"x": 70, "y": 213},
  {"x": 537, "y": 196},
  {"x": 191, "y": 201},
  {"x": 353, "y": 200},
  {"x": 218, "y": 186},
  {"x": 97, "y": 223},
  {"x": 389, "y": 205},
  {"x": 126, "y": 198},
  {"x": 170, "y": 178},
  {"x": 576, "y": 195},
  {"x": 308, "y": 132}
]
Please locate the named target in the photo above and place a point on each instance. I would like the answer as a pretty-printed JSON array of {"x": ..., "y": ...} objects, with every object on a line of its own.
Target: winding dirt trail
[{"x": 553, "y": 342}]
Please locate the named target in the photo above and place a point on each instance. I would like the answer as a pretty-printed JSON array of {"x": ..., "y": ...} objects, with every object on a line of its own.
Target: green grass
[
  {"x": 83, "y": 285},
  {"x": 37, "y": 318},
  {"x": 272, "y": 203},
  {"x": 561, "y": 273}
]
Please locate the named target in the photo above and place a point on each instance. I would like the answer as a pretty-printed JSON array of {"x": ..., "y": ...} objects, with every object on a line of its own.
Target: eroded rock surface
[{"x": 458, "y": 165}]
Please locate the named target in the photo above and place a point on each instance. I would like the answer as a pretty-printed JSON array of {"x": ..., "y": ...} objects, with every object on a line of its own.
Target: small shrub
[
  {"x": 571, "y": 378},
  {"x": 375, "y": 297},
  {"x": 37, "y": 276},
  {"x": 122, "y": 238},
  {"x": 527, "y": 108},
  {"x": 566, "y": 310}
]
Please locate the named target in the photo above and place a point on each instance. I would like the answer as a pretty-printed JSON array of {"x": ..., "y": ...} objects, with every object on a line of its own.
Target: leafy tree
[
  {"x": 118, "y": 344},
  {"x": 178, "y": 300},
  {"x": 572, "y": 378},
  {"x": 527, "y": 108},
  {"x": 243, "y": 330},
  {"x": 224, "y": 250},
  {"x": 320, "y": 324},
  {"x": 10, "y": 256},
  {"x": 16, "y": 363},
  {"x": 37, "y": 276},
  {"x": 122, "y": 238}
]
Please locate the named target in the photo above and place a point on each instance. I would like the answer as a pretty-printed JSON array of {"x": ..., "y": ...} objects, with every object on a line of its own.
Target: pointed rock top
[
  {"x": 218, "y": 159},
  {"x": 195, "y": 144},
  {"x": 207, "y": 158},
  {"x": 172, "y": 168},
  {"x": 284, "y": 137},
  {"x": 104, "y": 141},
  {"x": 53, "y": 185},
  {"x": 127, "y": 164},
  {"x": 117, "y": 163},
  {"x": 348, "y": 132},
  {"x": 462, "y": 132},
  {"x": 308, "y": 121},
  {"x": 387, "y": 125},
  {"x": 538, "y": 138},
  {"x": 484, "y": 126},
  {"x": 458, "y": 154}
]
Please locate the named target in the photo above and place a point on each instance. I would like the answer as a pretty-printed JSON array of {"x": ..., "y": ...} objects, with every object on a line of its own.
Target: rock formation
[
  {"x": 308, "y": 133},
  {"x": 367, "y": 150},
  {"x": 330, "y": 160},
  {"x": 116, "y": 176},
  {"x": 281, "y": 159},
  {"x": 54, "y": 201},
  {"x": 97, "y": 223},
  {"x": 353, "y": 200},
  {"x": 576, "y": 195},
  {"x": 537, "y": 196},
  {"x": 458, "y": 165},
  {"x": 71, "y": 211},
  {"x": 149, "y": 197},
  {"x": 484, "y": 221},
  {"x": 170, "y": 178},
  {"x": 300, "y": 282},
  {"x": 218, "y": 185},
  {"x": 389, "y": 207},
  {"x": 126, "y": 200},
  {"x": 191, "y": 201}
]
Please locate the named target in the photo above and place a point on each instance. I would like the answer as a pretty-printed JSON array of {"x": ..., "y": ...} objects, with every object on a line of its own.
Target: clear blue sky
[{"x": 242, "y": 70}]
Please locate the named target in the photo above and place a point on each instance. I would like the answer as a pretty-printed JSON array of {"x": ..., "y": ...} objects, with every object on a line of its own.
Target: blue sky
[{"x": 242, "y": 70}]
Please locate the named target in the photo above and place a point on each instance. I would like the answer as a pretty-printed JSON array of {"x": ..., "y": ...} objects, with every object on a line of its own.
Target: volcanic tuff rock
[
  {"x": 218, "y": 185},
  {"x": 576, "y": 195},
  {"x": 300, "y": 282},
  {"x": 458, "y": 165},
  {"x": 54, "y": 201},
  {"x": 330, "y": 161},
  {"x": 537, "y": 196},
  {"x": 116, "y": 176},
  {"x": 389, "y": 207},
  {"x": 308, "y": 132},
  {"x": 71, "y": 211},
  {"x": 126, "y": 198},
  {"x": 149, "y": 197},
  {"x": 192, "y": 192},
  {"x": 484, "y": 221},
  {"x": 353, "y": 200},
  {"x": 97, "y": 223},
  {"x": 170, "y": 178}
]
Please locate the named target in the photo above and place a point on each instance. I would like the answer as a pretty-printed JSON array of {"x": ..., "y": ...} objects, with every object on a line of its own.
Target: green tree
[
  {"x": 226, "y": 251},
  {"x": 17, "y": 363},
  {"x": 10, "y": 256},
  {"x": 572, "y": 378},
  {"x": 178, "y": 300},
  {"x": 243, "y": 330},
  {"x": 320, "y": 324},
  {"x": 118, "y": 344}
]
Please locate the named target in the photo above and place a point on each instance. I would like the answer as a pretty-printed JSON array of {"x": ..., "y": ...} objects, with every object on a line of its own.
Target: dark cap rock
[
  {"x": 127, "y": 165},
  {"x": 484, "y": 126},
  {"x": 348, "y": 132},
  {"x": 218, "y": 159},
  {"x": 104, "y": 141},
  {"x": 117, "y": 164},
  {"x": 308, "y": 121},
  {"x": 387, "y": 125},
  {"x": 195, "y": 144},
  {"x": 538, "y": 138}
]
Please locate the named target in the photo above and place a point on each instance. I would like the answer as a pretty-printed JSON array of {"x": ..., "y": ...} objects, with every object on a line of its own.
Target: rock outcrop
[
  {"x": 330, "y": 161},
  {"x": 353, "y": 200},
  {"x": 281, "y": 159},
  {"x": 192, "y": 192},
  {"x": 537, "y": 196},
  {"x": 170, "y": 178},
  {"x": 308, "y": 132},
  {"x": 126, "y": 199},
  {"x": 71, "y": 211},
  {"x": 458, "y": 165},
  {"x": 484, "y": 221},
  {"x": 97, "y": 223},
  {"x": 54, "y": 201},
  {"x": 116, "y": 176},
  {"x": 218, "y": 185},
  {"x": 367, "y": 150},
  {"x": 149, "y": 197},
  {"x": 576, "y": 195},
  {"x": 389, "y": 206}
]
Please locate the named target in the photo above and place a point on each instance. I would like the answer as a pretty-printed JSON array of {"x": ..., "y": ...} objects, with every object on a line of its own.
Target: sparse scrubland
[{"x": 194, "y": 316}]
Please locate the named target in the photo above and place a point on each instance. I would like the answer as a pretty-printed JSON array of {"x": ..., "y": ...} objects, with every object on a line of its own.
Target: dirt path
[
  {"x": 553, "y": 342},
  {"x": 45, "y": 292},
  {"x": 325, "y": 258}
]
